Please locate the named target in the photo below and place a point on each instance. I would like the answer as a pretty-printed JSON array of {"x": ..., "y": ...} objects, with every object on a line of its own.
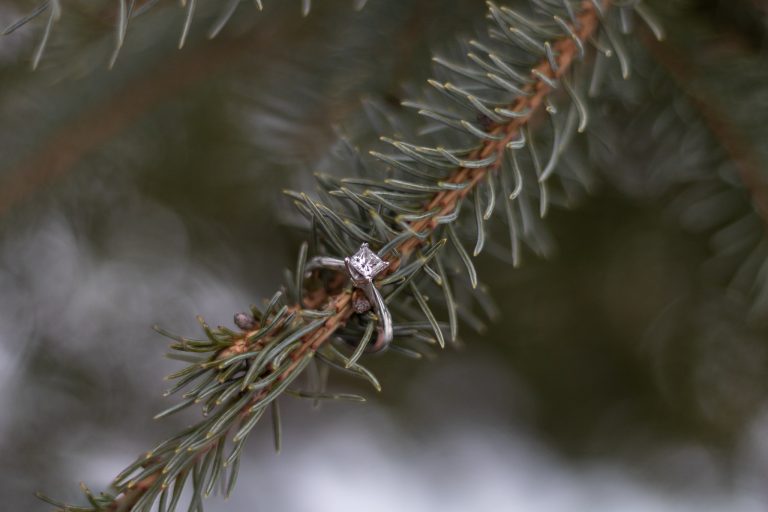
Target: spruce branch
[
  {"x": 60, "y": 153},
  {"x": 126, "y": 11},
  {"x": 743, "y": 156},
  {"x": 501, "y": 134},
  {"x": 530, "y": 67},
  {"x": 707, "y": 164},
  {"x": 66, "y": 147}
]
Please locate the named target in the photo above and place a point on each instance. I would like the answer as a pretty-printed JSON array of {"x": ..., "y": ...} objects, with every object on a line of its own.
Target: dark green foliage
[
  {"x": 493, "y": 145},
  {"x": 127, "y": 11}
]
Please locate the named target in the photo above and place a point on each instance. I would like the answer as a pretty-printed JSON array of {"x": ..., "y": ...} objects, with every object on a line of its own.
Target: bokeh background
[{"x": 626, "y": 373}]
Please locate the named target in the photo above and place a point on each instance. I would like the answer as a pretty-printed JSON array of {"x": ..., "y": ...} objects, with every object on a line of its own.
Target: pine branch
[
  {"x": 126, "y": 11},
  {"x": 501, "y": 134},
  {"x": 703, "y": 146},
  {"x": 65, "y": 148},
  {"x": 742, "y": 155},
  {"x": 531, "y": 64}
]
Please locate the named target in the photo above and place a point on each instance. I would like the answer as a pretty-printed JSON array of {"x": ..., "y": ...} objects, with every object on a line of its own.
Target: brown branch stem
[{"x": 536, "y": 93}]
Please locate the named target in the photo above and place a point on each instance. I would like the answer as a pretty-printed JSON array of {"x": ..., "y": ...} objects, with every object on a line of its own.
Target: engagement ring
[{"x": 362, "y": 268}]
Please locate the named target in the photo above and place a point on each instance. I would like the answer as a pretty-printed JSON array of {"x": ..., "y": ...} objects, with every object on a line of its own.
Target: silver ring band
[
  {"x": 325, "y": 262},
  {"x": 386, "y": 333}
]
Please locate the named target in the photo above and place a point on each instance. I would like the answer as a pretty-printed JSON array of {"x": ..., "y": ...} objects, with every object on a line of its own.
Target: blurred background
[{"x": 627, "y": 373}]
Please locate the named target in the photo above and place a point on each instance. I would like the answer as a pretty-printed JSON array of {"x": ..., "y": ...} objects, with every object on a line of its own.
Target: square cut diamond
[{"x": 366, "y": 263}]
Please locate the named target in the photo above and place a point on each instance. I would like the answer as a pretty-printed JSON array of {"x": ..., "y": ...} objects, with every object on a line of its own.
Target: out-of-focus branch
[
  {"x": 741, "y": 153},
  {"x": 60, "y": 152}
]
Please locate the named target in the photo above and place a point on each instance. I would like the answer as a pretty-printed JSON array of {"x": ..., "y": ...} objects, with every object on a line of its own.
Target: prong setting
[{"x": 365, "y": 265}]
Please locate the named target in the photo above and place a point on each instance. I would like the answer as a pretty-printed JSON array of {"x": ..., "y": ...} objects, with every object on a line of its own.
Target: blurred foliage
[{"x": 645, "y": 330}]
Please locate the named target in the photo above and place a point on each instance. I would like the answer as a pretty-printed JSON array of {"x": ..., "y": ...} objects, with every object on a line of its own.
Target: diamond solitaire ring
[{"x": 362, "y": 268}]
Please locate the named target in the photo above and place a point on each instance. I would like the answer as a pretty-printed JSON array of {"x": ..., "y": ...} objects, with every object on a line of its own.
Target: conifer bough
[
  {"x": 532, "y": 65},
  {"x": 126, "y": 11}
]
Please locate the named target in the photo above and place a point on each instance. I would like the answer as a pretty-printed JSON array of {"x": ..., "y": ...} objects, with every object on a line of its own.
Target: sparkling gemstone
[{"x": 366, "y": 263}]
